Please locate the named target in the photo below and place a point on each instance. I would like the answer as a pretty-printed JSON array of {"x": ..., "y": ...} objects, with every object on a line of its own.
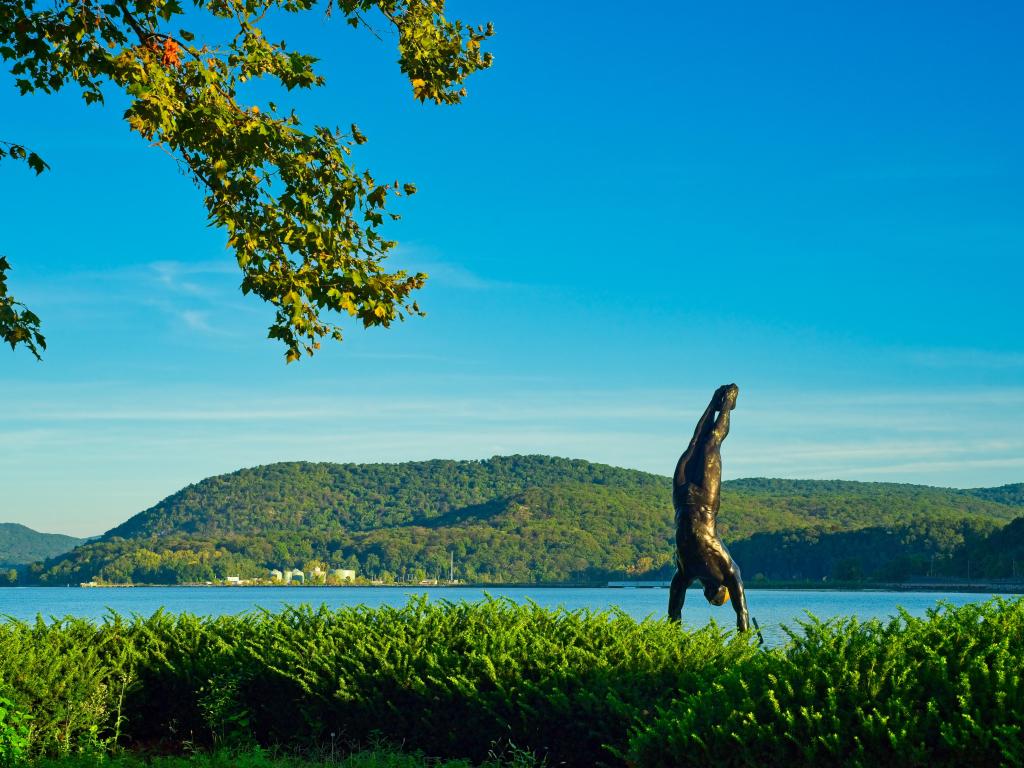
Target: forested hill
[
  {"x": 1005, "y": 494},
  {"x": 20, "y": 545},
  {"x": 362, "y": 497},
  {"x": 510, "y": 518},
  {"x": 757, "y": 505}
]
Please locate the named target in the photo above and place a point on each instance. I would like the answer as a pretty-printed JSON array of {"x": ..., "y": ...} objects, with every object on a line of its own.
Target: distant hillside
[
  {"x": 1004, "y": 494},
  {"x": 360, "y": 497},
  {"x": 757, "y": 505},
  {"x": 514, "y": 519},
  {"x": 1003, "y": 552},
  {"x": 20, "y": 545}
]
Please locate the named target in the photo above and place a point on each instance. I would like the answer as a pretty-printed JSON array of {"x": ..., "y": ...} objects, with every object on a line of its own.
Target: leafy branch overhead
[
  {"x": 304, "y": 223},
  {"x": 17, "y": 324}
]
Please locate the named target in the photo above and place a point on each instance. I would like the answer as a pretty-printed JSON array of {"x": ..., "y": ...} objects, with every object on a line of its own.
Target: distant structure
[{"x": 316, "y": 575}]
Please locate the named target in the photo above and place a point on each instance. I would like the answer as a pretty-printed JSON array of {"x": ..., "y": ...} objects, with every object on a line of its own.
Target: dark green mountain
[
  {"x": 514, "y": 519},
  {"x": 1005, "y": 494},
  {"x": 20, "y": 545}
]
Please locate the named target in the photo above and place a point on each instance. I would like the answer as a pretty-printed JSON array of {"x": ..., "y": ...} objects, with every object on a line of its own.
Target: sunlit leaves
[
  {"x": 18, "y": 152},
  {"x": 303, "y": 222},
  {"x": 17, "y": 324}
]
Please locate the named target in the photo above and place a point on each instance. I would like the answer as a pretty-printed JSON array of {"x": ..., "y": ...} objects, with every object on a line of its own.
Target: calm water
[{"x": 772, "y": 608}]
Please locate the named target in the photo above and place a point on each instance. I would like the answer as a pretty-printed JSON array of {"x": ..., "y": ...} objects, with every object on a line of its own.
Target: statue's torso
[{"x": 699, "y": 550}]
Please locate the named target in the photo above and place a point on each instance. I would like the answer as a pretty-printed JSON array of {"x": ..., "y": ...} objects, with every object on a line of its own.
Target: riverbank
[
  {"x": 995, "y": 586},
  {"x": 978, "y": 586},
  {"x": 773, "y": 608}
]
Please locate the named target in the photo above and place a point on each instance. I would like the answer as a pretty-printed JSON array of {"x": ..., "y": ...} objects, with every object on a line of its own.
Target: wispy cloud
[
  {"x": 455, "y": 276},
  {"x": 969, "y": 358},
  {"x": 200, "y": 297},
  {"x": 443, "y": 271},
  {"x": 199, "y": 320},
  {"x": 187, "y": 278},
  {"x": 106, "y": 436}
]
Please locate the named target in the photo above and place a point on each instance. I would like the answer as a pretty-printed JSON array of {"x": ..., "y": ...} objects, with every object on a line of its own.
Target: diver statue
[{"x": 700, "y": 553}]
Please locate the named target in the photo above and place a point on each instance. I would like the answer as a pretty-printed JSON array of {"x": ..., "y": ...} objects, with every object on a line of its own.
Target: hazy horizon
[{"x": 83, "y": 534}]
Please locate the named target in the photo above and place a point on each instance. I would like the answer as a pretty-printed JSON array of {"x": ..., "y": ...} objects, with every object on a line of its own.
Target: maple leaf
[{"x": 171, "y": 54}]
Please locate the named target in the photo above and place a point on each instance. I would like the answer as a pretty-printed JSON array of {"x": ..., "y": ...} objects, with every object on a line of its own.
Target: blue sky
[{"x": 820, "y": 201}]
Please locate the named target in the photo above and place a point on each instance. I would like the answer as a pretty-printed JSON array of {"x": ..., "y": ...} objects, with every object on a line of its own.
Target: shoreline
[{"x": 973, "y": 586}]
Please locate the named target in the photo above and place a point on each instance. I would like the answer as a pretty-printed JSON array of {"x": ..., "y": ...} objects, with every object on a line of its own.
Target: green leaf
[{"x": 36, "y": 163}]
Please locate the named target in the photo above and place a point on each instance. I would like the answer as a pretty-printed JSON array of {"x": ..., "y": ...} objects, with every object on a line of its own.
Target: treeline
[
  {"x": 460, "y": 680},
  {"x": 921, "y": 547},
  {"x": 535, "y": 519},
  {"x": 1012, "y": 494}
]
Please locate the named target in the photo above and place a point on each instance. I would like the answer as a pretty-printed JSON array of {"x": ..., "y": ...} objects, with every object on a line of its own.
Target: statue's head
[{"x": 716, "y": 593}]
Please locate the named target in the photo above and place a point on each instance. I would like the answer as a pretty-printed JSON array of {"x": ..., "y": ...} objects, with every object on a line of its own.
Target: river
[{"x": 773, "y": 609}]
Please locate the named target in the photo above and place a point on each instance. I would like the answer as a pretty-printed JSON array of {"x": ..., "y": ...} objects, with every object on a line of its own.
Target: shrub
[
  {"x": 71, "y": 676},
  {"x": 447, "y": 678},
  {"x": 944, "y": 690},
  {"x": 516, "y": 683},
  {"x": 14, "y": 741}
]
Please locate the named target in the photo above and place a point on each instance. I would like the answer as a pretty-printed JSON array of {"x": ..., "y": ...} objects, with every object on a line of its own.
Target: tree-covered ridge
[
  {"x": 360, "y": 497},
  {"x": 518, "y": 518},
  {"x": 365, "y": 497},
  {"x": 1012, "y": 494},
  {"x": 850, "y": 530},
  {"x": 846, "y": 504},
  {"x": 20, "y": 545},
  {"x": 524, "y": 519}
]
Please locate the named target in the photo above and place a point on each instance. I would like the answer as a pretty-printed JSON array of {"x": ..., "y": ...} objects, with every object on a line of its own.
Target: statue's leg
[
  {"x": 677, "y": 594},
  {"x": 685, "y": 473},
  {"x": 711, "y": 466},
  {"x": 719, "y": 431},
  {"x": 734, "y": 583}
]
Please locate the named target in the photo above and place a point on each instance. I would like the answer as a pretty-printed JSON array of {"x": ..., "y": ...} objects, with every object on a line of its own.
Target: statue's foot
[{"x": 727, "y": 397}]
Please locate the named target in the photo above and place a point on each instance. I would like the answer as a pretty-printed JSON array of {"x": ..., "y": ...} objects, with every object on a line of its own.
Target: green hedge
[
  {"x": 448, "y": 678},
  {"x": 945, "y": 690},
  {"x": 468, "y": 680}
]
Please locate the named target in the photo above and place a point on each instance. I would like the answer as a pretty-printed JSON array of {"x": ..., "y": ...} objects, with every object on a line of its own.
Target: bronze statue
[{"x": 700, "y": 554}]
